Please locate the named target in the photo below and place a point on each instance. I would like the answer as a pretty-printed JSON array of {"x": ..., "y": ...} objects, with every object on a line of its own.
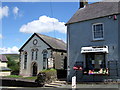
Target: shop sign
[{"x": 94, "y": 49}]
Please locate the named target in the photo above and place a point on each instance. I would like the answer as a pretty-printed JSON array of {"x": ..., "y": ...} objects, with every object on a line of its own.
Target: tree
[{"x": 13, "y": 65}]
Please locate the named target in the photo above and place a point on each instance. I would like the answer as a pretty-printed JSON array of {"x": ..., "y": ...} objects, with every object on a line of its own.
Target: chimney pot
[{"x": 83, "y": 3}]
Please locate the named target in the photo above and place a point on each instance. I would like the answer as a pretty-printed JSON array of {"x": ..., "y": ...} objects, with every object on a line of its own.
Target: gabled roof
[
  {"x": 5, "y": 69},
  {"x": 95, "y": 10},
  {"x": 53, "y": 43},
  {"x": 3, "y": 58}
]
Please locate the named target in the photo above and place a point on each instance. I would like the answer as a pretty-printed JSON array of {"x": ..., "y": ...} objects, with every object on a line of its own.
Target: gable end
[{"x": 31, "y": 38}]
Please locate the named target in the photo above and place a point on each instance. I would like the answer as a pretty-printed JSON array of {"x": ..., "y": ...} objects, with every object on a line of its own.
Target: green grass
[
  {"x": 13, "y": 76},
  {"x": 17, "y": 76},
  {"x": 31, "y": 78},
  {"x": 47, "y": 70}
]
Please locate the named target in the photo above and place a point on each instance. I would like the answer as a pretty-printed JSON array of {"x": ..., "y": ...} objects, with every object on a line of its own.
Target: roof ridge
[
  {"x": 50, "y": 37},
  {"x": 95, "y": 10}
]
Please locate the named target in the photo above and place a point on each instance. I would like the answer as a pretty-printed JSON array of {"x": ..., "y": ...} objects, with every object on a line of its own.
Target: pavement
[
  {"x": 93, "y": 86},
  {"x": 67, "y": 86},
  {"x": 64, "y": 84}
]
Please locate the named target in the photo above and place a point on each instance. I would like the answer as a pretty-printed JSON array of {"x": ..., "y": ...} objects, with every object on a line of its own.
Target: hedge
[{"x": 46, "y": 76}]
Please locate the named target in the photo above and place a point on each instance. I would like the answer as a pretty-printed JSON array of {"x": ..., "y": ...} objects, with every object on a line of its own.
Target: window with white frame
[
  {"x": 45, "y": 62},
  {"x": 98, "y": 31},
  {"x": 36, "y": 55},
  {"x": 32, "y": 56},
  {"x": 25, "y": 60}
]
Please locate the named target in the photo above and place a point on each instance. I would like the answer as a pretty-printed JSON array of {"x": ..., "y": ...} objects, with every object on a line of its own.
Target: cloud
[
  {"x": 1, "y": 36},
  {"x": 15, "y": 10},
  {"x": 4, "y": 11},
  {"x": 13, "y": 50},
  {"x": 44, "y": 24}
]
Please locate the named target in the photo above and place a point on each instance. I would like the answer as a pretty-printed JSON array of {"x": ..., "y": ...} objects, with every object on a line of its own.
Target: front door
[{"x": 34, "y": 69}]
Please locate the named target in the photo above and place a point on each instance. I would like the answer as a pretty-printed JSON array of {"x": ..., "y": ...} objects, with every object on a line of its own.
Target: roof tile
[{"x": 95, "y": 10}]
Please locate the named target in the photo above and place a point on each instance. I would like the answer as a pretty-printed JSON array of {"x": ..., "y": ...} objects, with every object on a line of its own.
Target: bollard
[{"x": 73, "y": 82}]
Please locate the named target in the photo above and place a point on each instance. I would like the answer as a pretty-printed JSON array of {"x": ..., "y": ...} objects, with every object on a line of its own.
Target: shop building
[{"x": 93, "y": 42}]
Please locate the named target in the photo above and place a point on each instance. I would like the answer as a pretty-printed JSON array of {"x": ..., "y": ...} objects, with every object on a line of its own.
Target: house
[
  {"x": 42, "y": 52},
  {"x": 93, "y": 42},
  {"x": 4, "y": 70}
]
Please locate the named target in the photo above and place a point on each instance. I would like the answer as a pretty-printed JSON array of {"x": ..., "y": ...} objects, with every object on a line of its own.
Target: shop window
[
  {"x": 95, "y": 64},
  {"x": 95, "y": 61}
]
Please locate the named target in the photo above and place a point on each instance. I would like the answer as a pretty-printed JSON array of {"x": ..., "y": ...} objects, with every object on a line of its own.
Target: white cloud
[
  {"x": 1, "y": 36},
  {"x": 13, "y": 50},
  {"x": 15, "y": 10},
  {"x": 44, "y": 24},
  {"x": 4, "y": 11}
]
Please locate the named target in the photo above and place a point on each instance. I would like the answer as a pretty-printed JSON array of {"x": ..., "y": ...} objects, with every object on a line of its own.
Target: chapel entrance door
[{"x": 34, "y": 69}]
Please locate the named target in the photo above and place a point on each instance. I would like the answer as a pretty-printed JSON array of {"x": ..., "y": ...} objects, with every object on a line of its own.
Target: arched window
[
  {"x": 32, "y": 56},
  {"x": 45, "y": 62},
  {"x": 25, "y": 60},
  {"x": 36, "y": 54}
]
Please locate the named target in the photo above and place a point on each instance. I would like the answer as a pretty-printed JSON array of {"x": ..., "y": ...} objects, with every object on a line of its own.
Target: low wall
[
  {"x": 5, "y": 73},
  {"x": 18, "y": 83}
]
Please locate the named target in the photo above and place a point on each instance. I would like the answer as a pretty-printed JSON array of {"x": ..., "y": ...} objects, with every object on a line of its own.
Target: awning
[{"x": 103, "y": 49}]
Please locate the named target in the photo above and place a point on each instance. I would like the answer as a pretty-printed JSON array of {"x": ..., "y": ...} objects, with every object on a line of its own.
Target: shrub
[{"x": 46, "y": 76}]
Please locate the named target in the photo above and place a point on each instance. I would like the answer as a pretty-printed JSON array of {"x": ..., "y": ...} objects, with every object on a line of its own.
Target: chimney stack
[{"x": 83, "y": 3}]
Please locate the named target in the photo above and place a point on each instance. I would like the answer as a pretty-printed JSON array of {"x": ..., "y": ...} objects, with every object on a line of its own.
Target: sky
[{"x": 19, "y": 20}]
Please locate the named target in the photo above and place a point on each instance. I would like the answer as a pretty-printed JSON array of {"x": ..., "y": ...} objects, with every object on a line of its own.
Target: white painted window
[
  {"x": 98, "y": 31},
  {"x": 32, "y": 56},
  {"x": 36, "y": 54},
  {"x": 45, "y": 61},
  {"x": 25, "y": 60}
]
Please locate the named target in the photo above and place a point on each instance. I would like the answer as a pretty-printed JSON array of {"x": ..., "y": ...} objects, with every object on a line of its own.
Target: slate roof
[
  {"x": 95, "y": 10},
  {"x": 5, "y": 69},
  {"x": 3, "y": 58},
  {"x": 53, "y": 43}
]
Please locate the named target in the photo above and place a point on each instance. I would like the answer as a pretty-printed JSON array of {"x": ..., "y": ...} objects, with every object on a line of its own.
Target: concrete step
[
  {"x": 61, "y": 82},
  {"x": 58, "y": 84},
  {"x": 49, "y": 85},
  {"x": 55, "y": 84}
]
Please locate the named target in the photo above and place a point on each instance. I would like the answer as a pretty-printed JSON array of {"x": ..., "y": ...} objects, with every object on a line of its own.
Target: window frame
[
  {"x": 25, "y": 60},
  {"x": 45, "y": 59},
  {"x": 36, "y": 54},
  {"x": 92, "y": 56},
  {"x": 93, "y": 31},
  {"x": 32, "y": 54}
]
